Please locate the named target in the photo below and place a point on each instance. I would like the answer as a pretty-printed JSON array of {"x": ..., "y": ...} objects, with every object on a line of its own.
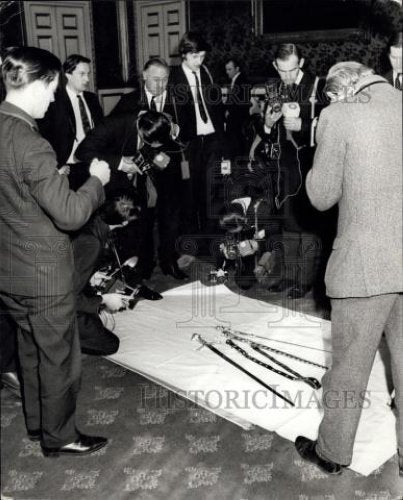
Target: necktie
[
  {"x": 398, "y": 84},
  {"x": 153, "y": 106},
  {"x": 84, "y": 117},
  {"x": 202, "y": 109}
]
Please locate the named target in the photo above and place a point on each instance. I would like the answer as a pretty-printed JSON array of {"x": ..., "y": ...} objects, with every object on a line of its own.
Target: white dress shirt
[
  {"x": 79, "y": 124},
  {"x": 202, "y": 128},
  {"x": 159, "y": 99}
]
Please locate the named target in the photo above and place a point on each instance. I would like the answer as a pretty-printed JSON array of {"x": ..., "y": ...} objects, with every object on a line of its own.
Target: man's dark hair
[
  {"x": 156, "y": 61},
  {"x": 285, "y": 50},
  {"x": 192, "y": 42},
  {"x": 154, "y": 127},
  {"x": 71, "y": 63},
  {"x": 23, "y": 65}
]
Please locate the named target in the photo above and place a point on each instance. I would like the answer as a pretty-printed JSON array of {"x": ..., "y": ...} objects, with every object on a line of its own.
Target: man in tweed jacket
[{"x": 358, "y": 165}]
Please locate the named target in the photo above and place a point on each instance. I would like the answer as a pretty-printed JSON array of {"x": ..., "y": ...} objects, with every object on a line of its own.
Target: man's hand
[
  {"x": 270, "y": 117},
  {"x": 292, "y": 124},
  {"x": 127, "y": 165},
  {"x": 114, "y": 302},
  {"x": 64, "y": 170},
  {"x": 132, "y": 262},
  {"x": 100, "y": 169}
]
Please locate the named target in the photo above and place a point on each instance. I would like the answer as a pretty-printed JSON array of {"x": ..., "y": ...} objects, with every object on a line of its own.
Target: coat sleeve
[
  {"x": 68, "y": 210},
  {"x": 105, "y": 142},
  {"x": 324, "y": 181}
]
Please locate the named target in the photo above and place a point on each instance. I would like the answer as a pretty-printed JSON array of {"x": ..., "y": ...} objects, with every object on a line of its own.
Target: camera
[
  {"x": 146, "y": 160},
  {"x": 273, "y": 97}
]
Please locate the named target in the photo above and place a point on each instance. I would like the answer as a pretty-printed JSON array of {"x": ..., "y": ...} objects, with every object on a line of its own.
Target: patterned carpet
[{"x": 164, "y": 447}]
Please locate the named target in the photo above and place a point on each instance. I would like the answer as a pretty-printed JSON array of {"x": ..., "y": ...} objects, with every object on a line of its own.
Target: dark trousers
[
  {"x": 50, "y": 359},
  {"x": 8, "y": 342},
  {"x": 204, "y": 188},
  {"x": 95, "y": 339}
]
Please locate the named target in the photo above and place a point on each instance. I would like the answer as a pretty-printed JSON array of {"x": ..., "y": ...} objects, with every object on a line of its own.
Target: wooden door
[
  {"x": 63, "y": 28},
  {"x": 160, "y": 26}
]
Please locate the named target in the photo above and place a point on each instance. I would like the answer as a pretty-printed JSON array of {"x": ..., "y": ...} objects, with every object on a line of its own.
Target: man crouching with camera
[
  {"x": 144, "y": 158},
  {"x": 246, "y": 242}
]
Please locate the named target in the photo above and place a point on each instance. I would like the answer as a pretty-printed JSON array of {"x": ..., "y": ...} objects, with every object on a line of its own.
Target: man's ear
[
  {"x": 301, "y": 62},
  {"x": 274, "y": 64}
]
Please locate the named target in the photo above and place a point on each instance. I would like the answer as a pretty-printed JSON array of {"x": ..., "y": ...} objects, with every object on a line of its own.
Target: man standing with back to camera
[{"x": 358, "y": 165}]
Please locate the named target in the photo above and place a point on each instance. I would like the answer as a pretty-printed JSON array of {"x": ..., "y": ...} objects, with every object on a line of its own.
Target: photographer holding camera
[
  {"x": 145, "y": 161},
  {"x": 285, "y": 131},
  {"x": 246, "y": 245}
]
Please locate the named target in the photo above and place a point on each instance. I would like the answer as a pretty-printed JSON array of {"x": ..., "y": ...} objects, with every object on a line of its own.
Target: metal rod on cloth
[
  {"x": 311, "y": 381},
  {"x": 198, "y": 337},
  {"x": 227, "y": 332}
]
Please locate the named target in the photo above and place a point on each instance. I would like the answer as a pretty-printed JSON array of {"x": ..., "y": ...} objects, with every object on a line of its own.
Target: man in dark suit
[
  {"x": 117, "y": 141},
  {"x": 71, "y": 116},
  {"x": 154, "y": 95},
  {"x": 151, "y": 94},
  {"x": 288, "y": 123},
  {"x": 236, "y": 110},
  {"x": 200, "y": 117}
]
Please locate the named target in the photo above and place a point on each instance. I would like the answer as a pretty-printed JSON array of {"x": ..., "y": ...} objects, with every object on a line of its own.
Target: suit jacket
[
  {"x": 237, "y": 106},
  {"x": 59, "y": 124},
  {"x": 184, "y": 102},
  {"x": 115, "y": 137},
  {"x": 136, "y": 101},
  {"x": 36, "y": 208},
  {"x": 358, "y": 165}
]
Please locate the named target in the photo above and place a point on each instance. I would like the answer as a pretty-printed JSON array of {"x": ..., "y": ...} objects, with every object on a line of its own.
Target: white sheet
[{"x": 156, "y": 341}]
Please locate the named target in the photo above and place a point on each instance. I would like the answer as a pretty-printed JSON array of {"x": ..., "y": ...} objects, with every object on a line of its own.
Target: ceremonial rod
[{"x": 241, "y": 368}]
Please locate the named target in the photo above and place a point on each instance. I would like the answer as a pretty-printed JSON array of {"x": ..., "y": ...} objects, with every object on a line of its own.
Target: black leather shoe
[
  {"x": 11, "y": 382},
  {"x": 174, "y": 271},
  {"x": 83, "y": 445},
  {"x": 297, "y": 292},
  {"x": 306, "y": 448},
  {"x": 34, "y": 434},
  {"x": 148, "y": 294}
]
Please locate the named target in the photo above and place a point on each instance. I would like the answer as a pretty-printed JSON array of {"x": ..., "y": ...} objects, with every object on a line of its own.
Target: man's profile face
[
  {"x": 288, "y": 69},
  {"x": 395, "y": 58},
  {"x": 79, "y": 79},
  {"x": 231, "y": 69},
  {"x": 193, "y": 60},
  {"x": 156, "y": 79}
]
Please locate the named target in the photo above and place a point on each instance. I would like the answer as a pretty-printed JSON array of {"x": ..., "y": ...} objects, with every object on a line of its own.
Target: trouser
[
  {"x": 8, "y": 342},
  {"x": 50, "y": 359},
  {"x": 357, "y": 326},
  {"x": 95, "y": 339},
  {"x": 203, "y": 188},
  {"x": 301, "y": 257}
]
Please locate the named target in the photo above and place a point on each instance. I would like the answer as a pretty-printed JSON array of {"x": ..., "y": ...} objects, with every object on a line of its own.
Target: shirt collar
[
  {"x": 235, "y": 77},
  {"x": 71, "y": 93},
  {"x": 157, "y": 98},
  {"x": 299, "y": 77},
  {"x": 10, "y": 109},
  {"x": 188, "y": 71}
]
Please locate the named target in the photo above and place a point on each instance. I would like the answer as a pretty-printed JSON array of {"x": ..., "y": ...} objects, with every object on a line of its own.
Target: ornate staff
[
  {"x": 203, "y": 342},
  {"x": 312, "y": 382},
  {"x": 235, "y": 334}
]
